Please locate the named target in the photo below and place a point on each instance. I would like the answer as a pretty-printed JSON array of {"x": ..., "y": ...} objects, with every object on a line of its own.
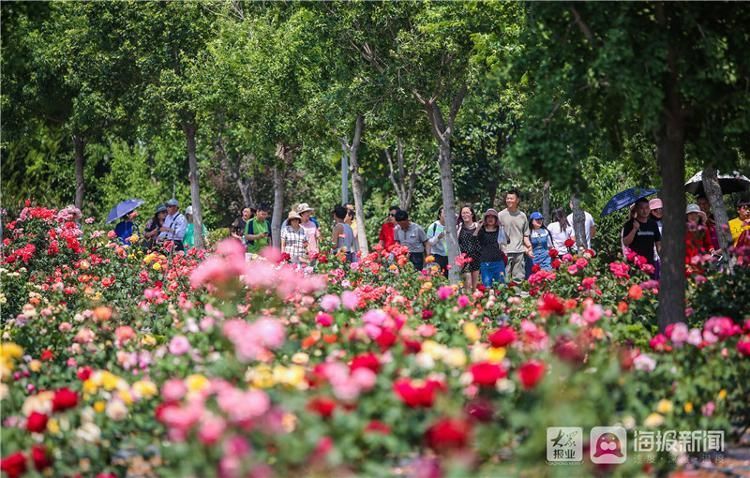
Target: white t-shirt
[
  {"x": 589, "y": 224},
  {"x": 559, "y": 236}
]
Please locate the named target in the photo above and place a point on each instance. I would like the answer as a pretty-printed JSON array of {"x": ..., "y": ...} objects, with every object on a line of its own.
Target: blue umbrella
[
  {"x": 122, "y": 209},
  {"x": 626, "y": 198}
]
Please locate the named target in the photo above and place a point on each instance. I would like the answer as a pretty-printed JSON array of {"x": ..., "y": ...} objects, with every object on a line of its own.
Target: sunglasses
[{"x": 392, "y": 215}]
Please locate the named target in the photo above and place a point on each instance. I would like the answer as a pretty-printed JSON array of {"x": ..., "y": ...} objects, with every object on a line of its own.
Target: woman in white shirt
[{"x": 561, "y": 231}]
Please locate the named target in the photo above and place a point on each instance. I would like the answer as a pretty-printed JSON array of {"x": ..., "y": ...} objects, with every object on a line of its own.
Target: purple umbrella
[{"x": 122, "y": 209}]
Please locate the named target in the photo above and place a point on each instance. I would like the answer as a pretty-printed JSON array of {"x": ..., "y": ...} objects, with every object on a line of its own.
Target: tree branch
[{"x": 582, "y": 26}]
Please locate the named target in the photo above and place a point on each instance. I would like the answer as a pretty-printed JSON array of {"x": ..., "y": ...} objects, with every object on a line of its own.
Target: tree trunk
[
  {"x": 449, "y": 208},
  {"x": 545, "y": 202},
  {"x": 246, "y": 190},
  {"x": 357, "y": 184},
  {"x": 79, "y": 145},
  {"x": 344, "y": 173},
  {"x": 579, "y": 223},
  {"x": 284, "y": 158},
  {"x": 671, "y": 156},
  {"x": 715, "y": 198},
  {"x": 442, "y": 132},
  {"x": 195, "y": 197},
  {"x": 278, "y": 205},
  {"x": 403, "y": 183}
]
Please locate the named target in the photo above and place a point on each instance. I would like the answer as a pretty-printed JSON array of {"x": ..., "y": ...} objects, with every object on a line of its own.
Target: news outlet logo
[{"x": 608, "y": 445}]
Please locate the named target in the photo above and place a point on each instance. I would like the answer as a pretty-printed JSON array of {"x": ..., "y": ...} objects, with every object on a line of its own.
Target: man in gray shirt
[
  {"x": 412, "y": 236},
  {"x": 516, "y": 226}
]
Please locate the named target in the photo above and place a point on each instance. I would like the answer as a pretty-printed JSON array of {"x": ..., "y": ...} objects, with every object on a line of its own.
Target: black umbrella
[{"x": 729, "y": 183}]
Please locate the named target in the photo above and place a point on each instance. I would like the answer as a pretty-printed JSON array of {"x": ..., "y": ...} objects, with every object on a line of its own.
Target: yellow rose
[
  {"x": 196, "y": 382},
  {"x": 429, "y": 259},
  {"x": 300, "y": 358},
  {"x": 148, "y": 258},
  {"x": 688, "y": 407},
  {"x": 496, "y": 354},
  {"x": 9, "y": 350},
  {"x": 261, "y": 377},
  {"x": 145, "y": 388},
  {"x": 156, "y": 266},
  {"x": 455, "y": 358},
  {"x": 664, "y": 407},
  {"x": 90, "y": 387},
  {"x": 133, "y": 239},
  {"x": 126, "y": 397},
  {"x": 99, "y": 406},
  {"x": 35, "y": 365},
  {"x": 109, "y": 380},
  {"x": 471, "y": 331},
  {"x": 427, "y": 285},
  {"x": 148, "y": 340},
  {"x": 53, "y": 426},
  {"x": 722, "y": 394},
  {"x": 654, "y": 420}
]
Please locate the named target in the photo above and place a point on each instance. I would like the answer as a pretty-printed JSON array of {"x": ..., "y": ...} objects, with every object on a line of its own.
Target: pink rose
[
  {"x": 324, "y": 319},
  {"x": 179, "y": 345},
  {"x": 330, "y": 302}
]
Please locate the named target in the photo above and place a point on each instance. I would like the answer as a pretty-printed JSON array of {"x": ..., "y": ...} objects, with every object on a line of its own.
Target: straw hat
[
  {"x": 304, "y": 207},
  {"x": 293, "y": 215}
]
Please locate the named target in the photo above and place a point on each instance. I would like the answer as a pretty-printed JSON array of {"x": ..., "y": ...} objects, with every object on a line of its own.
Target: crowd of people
[
  {"x": 498, "y": 247},
  {"x": 167, "y": 224}
]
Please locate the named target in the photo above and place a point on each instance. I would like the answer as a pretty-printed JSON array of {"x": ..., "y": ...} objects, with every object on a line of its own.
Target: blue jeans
[{"x": 492, "y": 272}]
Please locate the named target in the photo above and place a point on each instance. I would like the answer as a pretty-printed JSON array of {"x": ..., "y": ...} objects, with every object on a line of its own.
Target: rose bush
[{"x": 117, "y": 361}]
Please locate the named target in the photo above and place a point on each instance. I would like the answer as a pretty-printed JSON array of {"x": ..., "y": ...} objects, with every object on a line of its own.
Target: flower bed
[{"x": 115, "y": 361}]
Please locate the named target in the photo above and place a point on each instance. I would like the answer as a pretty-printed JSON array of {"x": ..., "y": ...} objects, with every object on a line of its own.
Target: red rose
[
  {"x": 47, "y": 355},
  {"x": 37, "y": 422},
  {"x": 550, "y": 304},
  {"x": 448, "y": 434},
  {"x": 386, "y": 339},
  {"x": 427, "y": 314},
  {"x": 84, "y": 373},
  {"x": 530, "y": 373},
  {"x": 376, "y": 426},
  {"x": 568, "y": 350},
  {"x": 416, "y": 395},
  {"x": 480, "y": 410},
  {"x": 535, "y": 268},
  {"x": 569, "y": 242},
  {"x": 556, "y": 264},
  {"x": 412, "y": 346},
  {"x": 322, "y": 406},
  {"x": 743, "y": 347},
  {"x": 14, "y": 465},
  {"x": 502, "y": 337},
  {"x": 368, "y": 360},
  {"x": 553, "y": 253},
  {"x": 64, "y": 398},
  {"x": 40, "y": 457},
  {"x": 486, "y": 374}
]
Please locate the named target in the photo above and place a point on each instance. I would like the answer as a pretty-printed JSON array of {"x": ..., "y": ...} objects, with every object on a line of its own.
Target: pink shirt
[{"x": 312, "y": 233}]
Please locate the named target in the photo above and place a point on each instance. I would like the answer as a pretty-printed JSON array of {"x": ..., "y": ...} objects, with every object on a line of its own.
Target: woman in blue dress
[{"x": 541, "y": 241}]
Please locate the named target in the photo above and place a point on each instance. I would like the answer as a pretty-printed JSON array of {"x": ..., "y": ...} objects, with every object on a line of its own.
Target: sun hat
[
  {"x": 189, "y": 210},
  {"x": 655, "y": 203},
  {"x": 696, "y": 209},
  {"x": 161, "y": 208},
  {"x": 491, "y": 212},
  {"x": 293, "y": 215},
  {"x": 304, "y": 207},
  {"x": 172, "y": 202},
  {"x": 536, "y": 215}
]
